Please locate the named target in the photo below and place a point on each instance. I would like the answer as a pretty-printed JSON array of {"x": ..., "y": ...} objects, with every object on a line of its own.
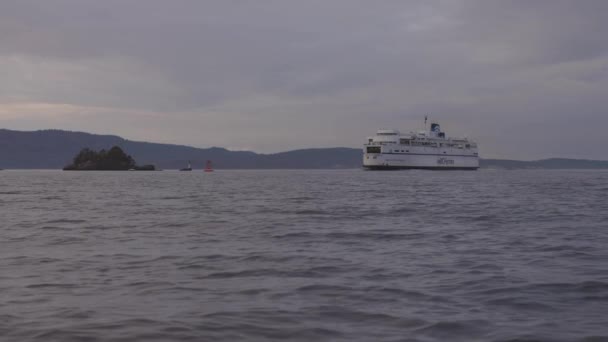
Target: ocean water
[{"x": 304, "y": 256}]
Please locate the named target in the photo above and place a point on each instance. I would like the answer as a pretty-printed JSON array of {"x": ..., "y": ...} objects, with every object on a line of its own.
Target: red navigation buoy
[{"x": 209, "y": 166}]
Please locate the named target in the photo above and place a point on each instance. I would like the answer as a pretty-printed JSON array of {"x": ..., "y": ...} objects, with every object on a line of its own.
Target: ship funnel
[{"x": 435, "y": 128}]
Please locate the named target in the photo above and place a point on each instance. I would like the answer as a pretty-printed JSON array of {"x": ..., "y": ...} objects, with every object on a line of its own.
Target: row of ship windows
[
  {"x": 425, "y": 143},
  {"x": 376, "y": 149},
  {"x": 398, "y": 151},
  {"x": 434, "y": 144}
]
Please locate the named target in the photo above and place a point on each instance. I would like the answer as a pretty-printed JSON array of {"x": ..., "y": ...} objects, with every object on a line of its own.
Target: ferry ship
[{"x": 429, "y": 149}]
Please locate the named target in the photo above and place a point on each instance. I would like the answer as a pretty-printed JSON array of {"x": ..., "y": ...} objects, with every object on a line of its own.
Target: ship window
[
  {"x": 404, "y": 141},
  {"x": 373, "y": 149},
  {"x": 407, "y": 150},
  {"x": 371, "y": 140}
]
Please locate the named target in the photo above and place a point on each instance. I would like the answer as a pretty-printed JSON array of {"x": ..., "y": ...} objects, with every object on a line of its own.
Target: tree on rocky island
[{"x": 113, "y": 160}]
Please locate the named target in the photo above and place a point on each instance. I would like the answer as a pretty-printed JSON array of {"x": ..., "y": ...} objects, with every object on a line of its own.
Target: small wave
[
  {"x": 311, "y": 212},
  {"x": 301, "y": 198},
  {"x": 392, "y": 292},
  {"x": 269, "y": 258},
  {"x": 244, "y": 274},
  {"x": 368, "y": 294},
  {"x": 234, "y": 331},
  {"x": 67, "y": 240},
  {"x": 205, "y": 262},
  {"x": 174, "y": 224},
  {"x": 487, "y": 267},
  {"x": 28, "y": 302},
  {"x": 66, "y": 221},
  {"x": 75, "y": 314},
  {"x": 375, "y": 236},
  {"x": 46, "y": 260},
  {"x": 345, "y": 314},
  {"x": 116, "y": 255},
  {"x": 383, "y": 275},
  {"x": 213, "y": 256},
  {"x": 520, "y": 304},
  {"x": 582, "y": 287},
  {"x": 51, "y": 198},
  {"x": 587, "y": 287},
  {"x": 527, "y": 338},
  {"x": 596, "y": 298},
  {"x": 276, "y": 325},
  {"x": 197, "y": 267},
  {"x": 53, "y": 285},
  {"x": 149, "y": 283},
  {"x": 294, "y": 235},
  {"x": 449, "y": 330},
  {"x": 561, "y": 248},
  {"x": 317, "y": 288},
  {"x": 266, "y": 272},
  {"x": 54, "y": 228},
  {"x": 252, "y": 292},
  {"x": 484, "y": 218},
  {"x": 598, "y": 338},
  {"x": 153, "y": 260},
  {"x": 66, "y": 335}
]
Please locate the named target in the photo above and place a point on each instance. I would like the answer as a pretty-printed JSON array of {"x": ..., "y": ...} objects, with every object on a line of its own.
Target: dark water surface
[{"x": 304, "y": 256}]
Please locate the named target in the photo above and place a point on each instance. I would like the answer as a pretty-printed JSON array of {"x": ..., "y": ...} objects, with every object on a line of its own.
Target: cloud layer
[{"x": 527, "y": 79}]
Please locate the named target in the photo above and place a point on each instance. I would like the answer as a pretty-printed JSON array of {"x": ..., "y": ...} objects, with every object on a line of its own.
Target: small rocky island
[{"x": 114, "y": 159}]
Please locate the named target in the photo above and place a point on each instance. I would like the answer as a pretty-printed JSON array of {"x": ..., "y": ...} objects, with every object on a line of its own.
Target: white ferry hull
[{"x": 386, "y": 161}]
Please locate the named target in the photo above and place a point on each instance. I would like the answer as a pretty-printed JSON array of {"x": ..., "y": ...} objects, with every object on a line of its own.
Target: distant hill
[
  {"x": 552, "y": 163},
  {"x": 54, "y": 149}
]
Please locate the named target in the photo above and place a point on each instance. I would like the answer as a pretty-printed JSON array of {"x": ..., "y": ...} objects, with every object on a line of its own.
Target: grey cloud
[{"x": 327, "y": 72}]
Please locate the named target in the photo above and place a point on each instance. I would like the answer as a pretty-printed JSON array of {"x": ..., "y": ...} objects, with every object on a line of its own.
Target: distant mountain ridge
[
  {"x": 54, "y": 149},
  {"x": 551, "y": 163}
]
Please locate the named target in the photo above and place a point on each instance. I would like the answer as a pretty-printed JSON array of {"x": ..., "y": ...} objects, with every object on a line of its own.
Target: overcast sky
[{"x": 526, "y": 79}]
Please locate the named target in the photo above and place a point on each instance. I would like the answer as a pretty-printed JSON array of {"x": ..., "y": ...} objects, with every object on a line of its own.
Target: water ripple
[{"x": 304, "y": 256}]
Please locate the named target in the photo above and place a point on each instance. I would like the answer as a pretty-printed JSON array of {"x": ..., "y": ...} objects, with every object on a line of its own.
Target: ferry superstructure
[{"x": 428, "y": 149}]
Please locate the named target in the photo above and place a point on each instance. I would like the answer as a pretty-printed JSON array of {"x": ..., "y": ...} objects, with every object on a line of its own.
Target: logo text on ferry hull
[{"x": 445, "y": 161}]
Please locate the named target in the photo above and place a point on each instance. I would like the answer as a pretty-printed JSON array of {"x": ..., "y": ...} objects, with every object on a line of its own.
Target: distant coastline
[{"x": 54, "y": 149}]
